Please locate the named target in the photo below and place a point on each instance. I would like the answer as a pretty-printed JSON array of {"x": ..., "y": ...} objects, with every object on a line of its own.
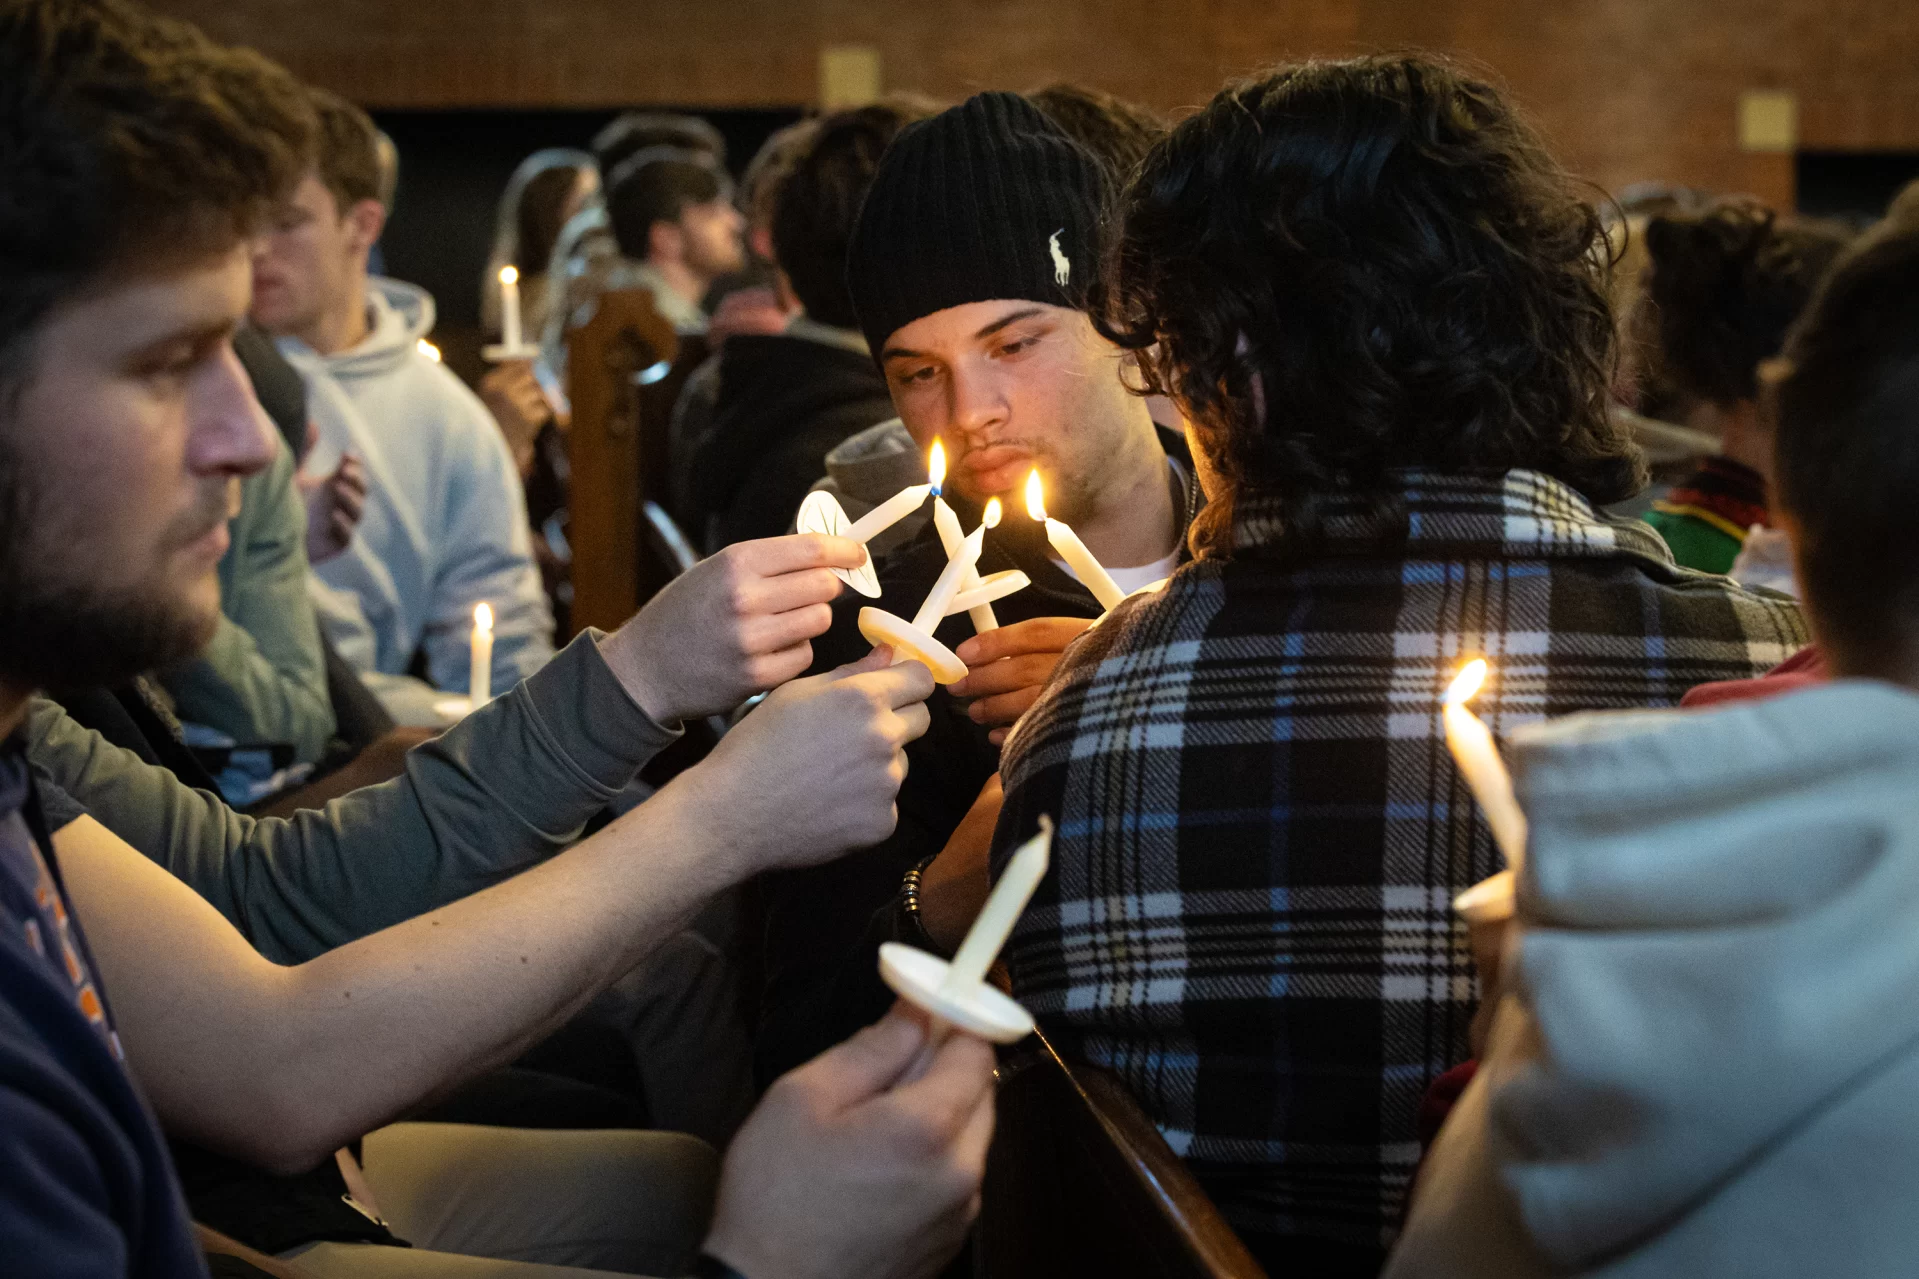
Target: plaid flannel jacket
[{"x": 1260, "y": 828}]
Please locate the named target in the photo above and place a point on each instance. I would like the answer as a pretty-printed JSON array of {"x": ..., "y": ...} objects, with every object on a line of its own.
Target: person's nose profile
[{"x": 231, "y": 433}]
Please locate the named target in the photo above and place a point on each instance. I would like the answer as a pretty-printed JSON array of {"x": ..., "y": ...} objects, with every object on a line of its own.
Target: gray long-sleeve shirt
[
  {"x": 262, "y": 678},
  {"x": 499, "y": 792}
]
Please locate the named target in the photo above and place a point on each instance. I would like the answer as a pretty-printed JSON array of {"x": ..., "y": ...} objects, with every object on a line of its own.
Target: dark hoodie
[
  {"x": 784, "y": 402},
  {"x": 824, "y": 924}
]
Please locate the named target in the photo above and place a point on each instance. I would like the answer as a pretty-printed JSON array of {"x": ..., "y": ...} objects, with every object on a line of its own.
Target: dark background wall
[{"x": 1626, "y": 90}]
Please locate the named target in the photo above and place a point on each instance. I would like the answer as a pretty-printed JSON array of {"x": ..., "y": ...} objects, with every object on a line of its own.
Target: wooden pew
[
  {"x": 1079, "y": 1182},
  {"x": 616, "y": 364}
]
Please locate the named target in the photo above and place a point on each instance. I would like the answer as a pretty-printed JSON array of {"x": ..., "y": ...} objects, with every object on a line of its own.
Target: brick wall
[{"x": 1626, "y": 89}]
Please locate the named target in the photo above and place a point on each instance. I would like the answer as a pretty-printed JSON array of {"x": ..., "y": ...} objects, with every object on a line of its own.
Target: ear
[
  {"x": 665, "y": 242},
  {"x": 365, "y": 221}
]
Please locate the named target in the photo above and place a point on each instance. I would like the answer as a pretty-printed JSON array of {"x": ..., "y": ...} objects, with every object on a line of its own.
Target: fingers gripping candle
[
  {"x": 1088, "y": 570},
  {"x": 822, "y": 513}
]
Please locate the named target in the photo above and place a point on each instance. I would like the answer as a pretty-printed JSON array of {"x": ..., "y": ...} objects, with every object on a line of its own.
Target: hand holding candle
[
  {"x": 957, "y": 993},
  {"x": 822, "y": 513},
  {"x": 1092, "y": 575}
]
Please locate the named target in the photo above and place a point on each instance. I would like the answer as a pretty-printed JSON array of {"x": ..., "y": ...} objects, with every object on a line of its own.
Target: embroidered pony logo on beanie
[{"x": 1062, "y": 265}]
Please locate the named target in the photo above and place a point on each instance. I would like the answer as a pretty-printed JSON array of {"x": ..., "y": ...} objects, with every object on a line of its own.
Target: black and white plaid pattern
[{"x": 1260, "y": 829}]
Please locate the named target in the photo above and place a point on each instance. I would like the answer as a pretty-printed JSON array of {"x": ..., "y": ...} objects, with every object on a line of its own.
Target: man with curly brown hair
[{"x": 1381, "y": 307}]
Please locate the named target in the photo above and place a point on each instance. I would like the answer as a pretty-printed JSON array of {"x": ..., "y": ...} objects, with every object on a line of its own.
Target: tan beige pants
[{"x": 517, "y": 1203}]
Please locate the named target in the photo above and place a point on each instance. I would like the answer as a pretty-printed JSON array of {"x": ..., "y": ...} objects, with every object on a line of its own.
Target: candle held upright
[
  {"x": 1477, "y": 757},
  {"x": 947, "y": 524},
  {"x": 957, "y": 994},
  {"x": 1065, "y": 542},
  {"x": 510, "y": 318},
  {"x": 480, "y": 677},
  {"x": 512, "y": 344}
]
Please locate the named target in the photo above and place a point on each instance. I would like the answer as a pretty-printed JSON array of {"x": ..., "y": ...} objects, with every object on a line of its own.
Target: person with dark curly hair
[
  {"x": 1381, "y": 307},
  {"x": 1720, "y": 290}
]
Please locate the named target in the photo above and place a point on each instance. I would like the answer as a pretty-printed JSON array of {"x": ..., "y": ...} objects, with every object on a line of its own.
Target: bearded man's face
[{"x": 123, "y": 438}]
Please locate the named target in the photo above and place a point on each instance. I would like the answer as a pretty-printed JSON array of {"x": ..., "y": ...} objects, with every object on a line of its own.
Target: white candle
[
  {"x": 480, "y": 678},
  {"x": 984, "y": 619},
  {"x": 510, "y": 307},
  {"x": 1474, "y": 751},
  {"x": 1088, "y": 570},
  {"x": 948, "y": 526},
  {"x": 997, "y": 587},
  {"x": 1002, "y": 910},
  {"x": 888, "y": 513},
  {"x": 948, "y": 585}
]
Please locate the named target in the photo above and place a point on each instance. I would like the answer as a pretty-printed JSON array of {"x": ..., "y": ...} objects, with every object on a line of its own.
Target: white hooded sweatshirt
[
  {"x": 1706, "y": 1062},
  {"x": 445, "y": 526}
]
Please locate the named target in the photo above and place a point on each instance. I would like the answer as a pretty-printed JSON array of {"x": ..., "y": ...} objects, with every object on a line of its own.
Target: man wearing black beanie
[{"x": 969, "y": 268}]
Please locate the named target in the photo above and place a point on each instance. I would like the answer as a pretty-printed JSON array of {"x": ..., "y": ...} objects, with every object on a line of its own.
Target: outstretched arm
[
  {"x": 279, "y": 1065},
  {"x": 506, "y": 788}
]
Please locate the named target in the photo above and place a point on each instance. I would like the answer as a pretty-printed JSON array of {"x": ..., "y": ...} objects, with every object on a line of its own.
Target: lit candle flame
[
  {"x": 1467, "y": 682},
  {"x": 482, "y": 617},
  {"x": 936, "y": 467},
  {"x": 992, "y": 513},
  {"x": 1035, "y": 497},
  {"x": 509, "y": 275},
  {"x": 429, "y": 350}
]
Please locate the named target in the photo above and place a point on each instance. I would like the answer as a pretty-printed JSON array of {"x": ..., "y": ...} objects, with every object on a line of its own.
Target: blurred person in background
[
  {"x": 585, "y": 253},
  {"x": 546, "y": 192},
  {"x": 763, "y": 307},
  {"x": 672, "y": 215},
  {"x": 785, "y": 400},
  {"x": 1720, "y": 289},
  {"x": 444, "y": 525}
]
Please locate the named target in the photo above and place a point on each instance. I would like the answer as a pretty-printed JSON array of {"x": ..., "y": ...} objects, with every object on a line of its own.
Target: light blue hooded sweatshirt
[
  {"x": 1706, "y": 1059},
  {"x": 445, "y": 526}
]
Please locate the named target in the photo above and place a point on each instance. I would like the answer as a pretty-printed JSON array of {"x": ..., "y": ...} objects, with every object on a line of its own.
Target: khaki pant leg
[
  {"x": 613, "y": 1199},
  {"x": 375, "y": 1261}
]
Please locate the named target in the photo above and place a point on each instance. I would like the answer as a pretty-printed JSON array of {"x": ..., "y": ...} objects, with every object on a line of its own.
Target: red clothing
[{"x": 1802, "y": 670}]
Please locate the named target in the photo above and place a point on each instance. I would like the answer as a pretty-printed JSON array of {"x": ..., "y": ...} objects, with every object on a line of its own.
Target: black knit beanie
[{"x": 986, "y": 200}]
